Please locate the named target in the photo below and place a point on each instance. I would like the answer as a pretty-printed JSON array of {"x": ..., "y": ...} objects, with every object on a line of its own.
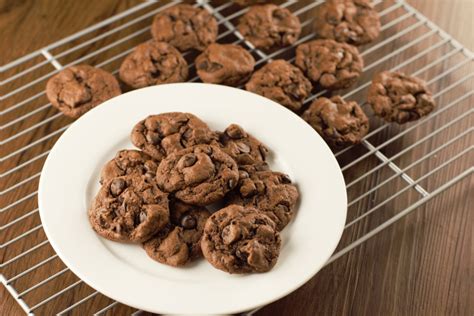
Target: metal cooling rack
[{"x": 394, "y": 171}]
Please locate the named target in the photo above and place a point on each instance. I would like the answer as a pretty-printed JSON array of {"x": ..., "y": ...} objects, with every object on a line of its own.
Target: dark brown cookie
[
  {"x": 399, "y": 98},
  {"x": 227, "y": 64},
  {"x": 162, "y": 134},
  {"x": 243, "y": 147},
  {"x": 129, "y": 208},
  {"x": 240, "y": 239},
  {"x": 77, "y": 89},
  {"x": 199, "y": 175},
  {"x": 281, "y": 82},
  {"x": 153, "y": 63},
  {"x": 340, "y": 123},
  {"x": 350, "y": 21},
  {"x": 129, "y": 161},
  {"x": 331, "y": 64},
  {"x": 180, "y": 241},
  {"x": 270, "y": 192},
  {"x": 269, "y": 25},
  {"x": 185, "y": 27},
  {"x": 245, "y": 3}
]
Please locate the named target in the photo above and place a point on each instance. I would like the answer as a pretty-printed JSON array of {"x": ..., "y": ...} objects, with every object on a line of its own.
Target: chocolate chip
[
  {"x": 142, "y": 217},
  {"x": 188, "y": 222},
  {"x": 117, "y": 186},
  {"x": 244, "y": 148},
  {"x": 283, "y": 207},
  {"x": 243, "y": 174},
  {"x": 241, "y": 255},
  {"x": 285, "y": 179},
  {"x": 153, "y": 138},
  {"x": 232, "y": 183},
  {"x": 263, "y": 151},
  {"x": 235, "y": 131},
  {"x": 189, "y": 160}
]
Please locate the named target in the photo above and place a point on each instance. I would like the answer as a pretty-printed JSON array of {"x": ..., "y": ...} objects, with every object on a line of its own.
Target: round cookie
[
  {"x": 77, "y": 89},
  {"x": 331, "y": 64},
  {"x": 281, "y": 82},
  {"x": 269, "y": 25},
  {"x": 126, "y": 162},
  {"x": 269, "y": 191},
  {"x": 350, "y": 21},
  {"x": 241, "y": 146},
  {"x": 129, "y": 208},
  {"x": 162, "y": 134},
  {"x": 340, "y": 123},
  {"x": 185, "y": 27},
  {"x": 396, "y": 97},
  {"x": 180, "y": 241},
  {"x": 241, "y": 239},
  {"x": 153, "y": 63},
  {"x": 199, "y": 175},
  {"x": 245, "y": 3},
  {"x": 227, "y": 64}
]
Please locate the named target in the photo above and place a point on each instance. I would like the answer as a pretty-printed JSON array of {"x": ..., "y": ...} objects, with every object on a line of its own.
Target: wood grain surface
[{"x": 421, "y": 265}]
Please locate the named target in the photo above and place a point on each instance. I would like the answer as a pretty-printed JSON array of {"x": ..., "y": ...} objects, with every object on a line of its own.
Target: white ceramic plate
[{"x": 69, "y": 181}]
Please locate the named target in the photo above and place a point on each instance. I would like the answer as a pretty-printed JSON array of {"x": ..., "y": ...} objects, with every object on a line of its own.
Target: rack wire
[{"x": 394, "y": 171}]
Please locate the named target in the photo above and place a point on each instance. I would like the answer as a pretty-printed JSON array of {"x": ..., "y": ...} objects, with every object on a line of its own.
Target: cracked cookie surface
[
  {"x": 77, "y": 89},
  {"x": 127, "y": 162}
]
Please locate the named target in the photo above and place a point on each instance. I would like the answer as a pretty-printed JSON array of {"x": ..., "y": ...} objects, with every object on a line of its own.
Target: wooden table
[{"x": 422, "y": 265}]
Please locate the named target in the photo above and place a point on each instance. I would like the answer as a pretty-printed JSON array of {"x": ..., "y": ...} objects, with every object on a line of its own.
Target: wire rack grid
[{"x": 395, "y": 170}]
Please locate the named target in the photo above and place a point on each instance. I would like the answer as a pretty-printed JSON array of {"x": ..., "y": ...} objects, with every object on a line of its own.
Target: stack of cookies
[{"x": 162, "y": 195}]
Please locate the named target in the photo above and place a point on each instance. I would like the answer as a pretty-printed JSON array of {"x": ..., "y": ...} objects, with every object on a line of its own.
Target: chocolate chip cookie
[
  {"x": 270, "y": 192},
  {"x": 180, "y": 241},
  {"x": 77, "y": 89},
  {"x": 243, "y": 147},
  {"x": 163, "y": 134},
  {"x": 331, "y": 64},
  {"x": 241, "y": 239},
  {"x": 350, "y": 21},
  {"x": 267, "y": 26},
  {"x": 340, "y": 123},
  {"x": 129, "y": 161},
  {"x": 153, "y": 63},
  {"x": 227, "y": 64},
  {"x": 281, "y": 82},
  {"x": 129, "y": 208},
  {"x": 199, "y": 175},
  {"x": 185, "y": 27},
  {"x": 400, "y": 98}
]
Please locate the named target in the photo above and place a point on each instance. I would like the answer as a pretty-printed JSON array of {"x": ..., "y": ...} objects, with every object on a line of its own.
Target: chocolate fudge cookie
[
  {"x": 162, "y": 134},
  {"x": 129, "y": 208},
  {"x": 351, "y": 21},
  {"x": 153, "y": 63},
  {"x": 243, "y": 147},
  {"x": 180, "y": 241},
  {"x": 129, "y": 161},
  {"x": 227, "y": 64},
  {"x": 270, "y": 192},
  {"x": 331, "y": 64},
  {"x": 185, "y": 27},
  {"x": 241, "y": 239},
  {"x": 340, "y": 123},
  {"x": 281, "y": 82},
  {"x": 77, "y": 89},
  {"x": 269, "y": 25},
  {"x": 399, "y": 98},
  {"x": 199, "y": 175},
  {"x": 245, "y": 3}
]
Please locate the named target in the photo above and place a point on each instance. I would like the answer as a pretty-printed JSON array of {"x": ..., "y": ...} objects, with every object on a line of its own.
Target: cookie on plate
[
  {"x": 185, "y": 27},
  {"x": 267, "y": 26},
  {"x": 269, "y": 191},
  {"x": 341, "y": 123},
  {"x": 331, "y": 64},
  {"x": 400, "y": 98},
  {"x": 162, "y": 134},
  {"x": 180, "y": 241},
  {"x": 351, "y": 21},
  {"x": 281, "y": 82},
  {"x": 153, "y": 63},
  {"x": 227, "y": 64},
  {"x": 129, "y": 208},
  {"x": 240, "y": 239},
  {"x": 129, "y": 161},
  {"x": 77, "y": 89},
  {"x": 199, "y": 175},
  {"x": 243, "y": 147}
]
